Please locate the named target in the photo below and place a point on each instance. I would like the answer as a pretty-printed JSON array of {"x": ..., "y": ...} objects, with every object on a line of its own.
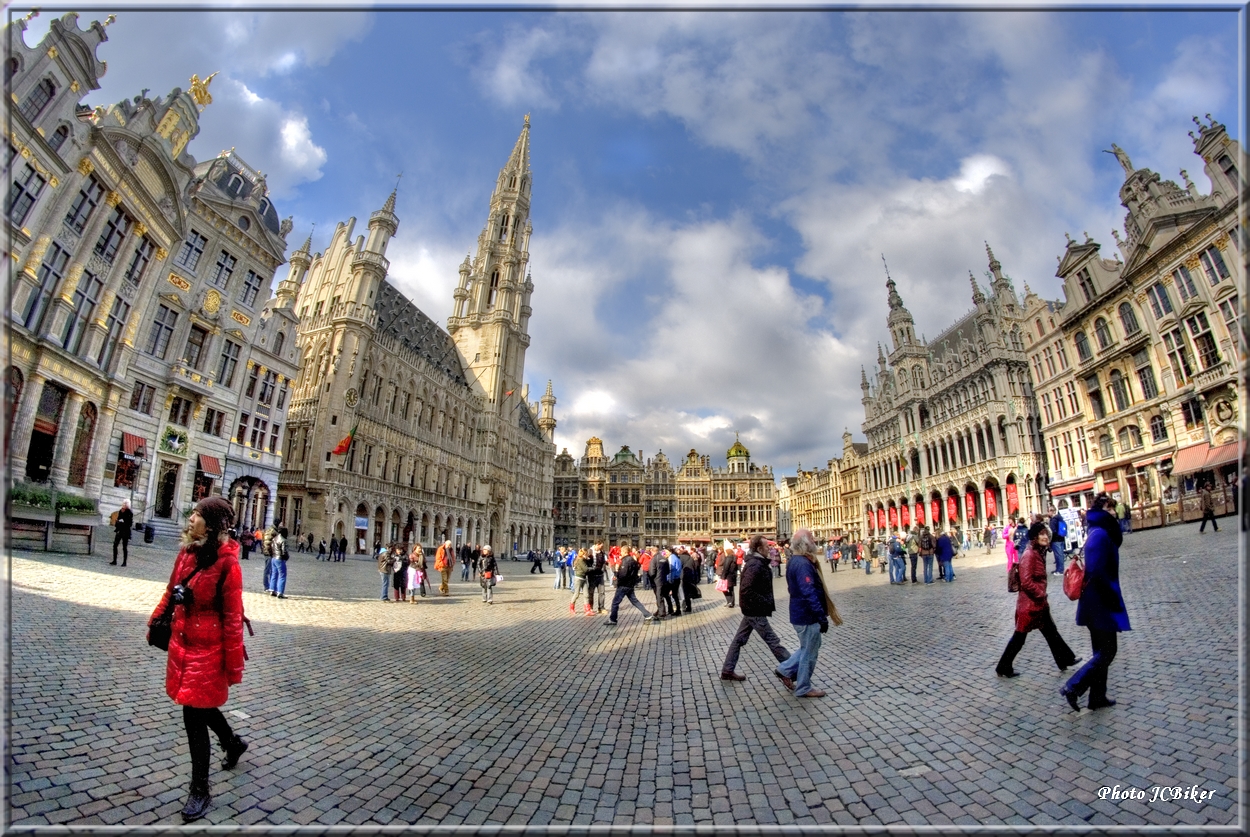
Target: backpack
[
  {"x": 1063, "y": 529},
  {"x": 1021, "y": 539},
  {"x": 674, "y": 570}
]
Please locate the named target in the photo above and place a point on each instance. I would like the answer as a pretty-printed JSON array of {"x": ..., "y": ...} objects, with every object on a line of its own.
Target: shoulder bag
[{"x": 1074, "y": 578}]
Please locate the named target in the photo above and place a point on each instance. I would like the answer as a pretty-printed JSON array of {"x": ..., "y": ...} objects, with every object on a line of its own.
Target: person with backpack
[
  {"x": 913, "y": 553},
  {"x": 581, "y": 569},
  {"x": 205, "y": 656},
  {"x": 1059, "y": 535},
  {"x": 896, "y": 553},
  {"x": 386, "y": 568},
  {"x": 280, "y": 558},
  {"x": 927, "y": 544},
  {"x": 628, "y": 572},
  {"x": 755, "y": 599},
  {"x": 672, "y": 583},
  {"x": 489, "y": 574},
  {"x": 266, "y": 548},
  {"x": 944, "y": 551},
  {"x": 596, "y": 592},
  {"x": 1033, "y": 608}
]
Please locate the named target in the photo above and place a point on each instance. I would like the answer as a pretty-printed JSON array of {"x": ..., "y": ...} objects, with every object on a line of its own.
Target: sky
[{"x": 714, "y": 192}]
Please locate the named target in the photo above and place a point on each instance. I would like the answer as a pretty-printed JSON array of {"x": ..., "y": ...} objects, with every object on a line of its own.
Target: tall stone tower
[{"x": 490, "y": 321}]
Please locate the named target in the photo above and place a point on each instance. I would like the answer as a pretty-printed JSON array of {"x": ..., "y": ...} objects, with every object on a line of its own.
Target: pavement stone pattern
[{"x": 453, "y": 712}]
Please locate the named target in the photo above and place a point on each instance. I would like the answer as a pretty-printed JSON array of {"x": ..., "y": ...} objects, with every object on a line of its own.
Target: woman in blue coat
[{"x": 1101, "y": 606}]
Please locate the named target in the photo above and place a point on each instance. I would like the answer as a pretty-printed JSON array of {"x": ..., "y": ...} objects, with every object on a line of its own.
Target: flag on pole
[
  {"x": 508, "y": 393},
  {"x": 346, "y": 444}
]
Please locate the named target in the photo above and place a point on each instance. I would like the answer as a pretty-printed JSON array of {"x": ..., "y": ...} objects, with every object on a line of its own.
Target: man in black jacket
[
  {"x": 659, "y": 576},
  {"x": 121, "y": 529},
  {"x": 755, "y": 598},
  {"x": 595, "y": 578},
  {"x": 627, "y": 575}
]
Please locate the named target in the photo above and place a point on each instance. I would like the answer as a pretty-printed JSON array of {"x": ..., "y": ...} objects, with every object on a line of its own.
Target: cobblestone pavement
[{"x": 450, "y": 711}]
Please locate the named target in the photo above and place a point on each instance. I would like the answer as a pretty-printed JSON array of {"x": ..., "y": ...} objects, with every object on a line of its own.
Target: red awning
[
  {"x": 1223, "y": 455},
  {"x": 1071, "y": 489},
  {"x": 133, "y": 445},
  {"x": 1111, "y": 486},
  {"x": 210, "y": 466},
  {"x": 1142, "y": 463},
  {"x": 1190, "y": 459}
]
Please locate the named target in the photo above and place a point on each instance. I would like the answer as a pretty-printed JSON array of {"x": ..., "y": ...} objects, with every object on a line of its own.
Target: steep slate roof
[{"x": 399, "y": 318}]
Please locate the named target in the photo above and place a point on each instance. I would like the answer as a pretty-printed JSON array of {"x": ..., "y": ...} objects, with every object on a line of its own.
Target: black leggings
[{"x": 198, "y": 722}]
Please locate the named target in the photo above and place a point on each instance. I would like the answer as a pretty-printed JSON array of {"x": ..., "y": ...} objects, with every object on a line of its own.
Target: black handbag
[{"x": 161, "y": 628}]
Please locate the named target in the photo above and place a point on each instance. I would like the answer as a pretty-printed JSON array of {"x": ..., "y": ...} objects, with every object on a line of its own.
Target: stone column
[
  {"x": 66, "y": 432},
  {"x": 24, "y": 423},
  {"x": 100, "y": 448}
]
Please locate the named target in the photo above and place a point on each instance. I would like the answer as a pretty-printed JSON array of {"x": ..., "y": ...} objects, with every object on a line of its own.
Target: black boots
[
  {"x": 234, "y": 748},
  {"x": 198, "y": 801}
]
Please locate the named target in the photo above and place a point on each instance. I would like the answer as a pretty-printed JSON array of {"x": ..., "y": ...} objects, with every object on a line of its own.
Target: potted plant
[
  {"x": 72, "y": 510},
  {"x": 29, "y": 502}
]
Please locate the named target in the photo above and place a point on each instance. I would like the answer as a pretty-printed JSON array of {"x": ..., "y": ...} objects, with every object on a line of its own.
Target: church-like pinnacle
[{"x": 977, "y": 296}]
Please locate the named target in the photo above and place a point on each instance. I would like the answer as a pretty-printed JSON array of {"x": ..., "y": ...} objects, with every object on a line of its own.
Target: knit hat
[{"x": 217, "y": 513}]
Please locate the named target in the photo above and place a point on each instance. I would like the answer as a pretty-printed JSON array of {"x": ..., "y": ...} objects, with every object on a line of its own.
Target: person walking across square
[
  {"x": 121, "y": 532},
  {"x": 807, "y": 615},
  {"x": 627, "y": 575},
  {"x": 1033, "y": 608},
  {"x": 755, "y": 600}
]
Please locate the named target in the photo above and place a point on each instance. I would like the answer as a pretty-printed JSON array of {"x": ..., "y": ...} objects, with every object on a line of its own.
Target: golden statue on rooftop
[{"x": 199, "y": 89}]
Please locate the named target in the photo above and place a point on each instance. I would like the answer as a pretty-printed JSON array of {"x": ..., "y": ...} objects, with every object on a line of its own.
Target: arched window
[
  {"x": 1082, "y": 346},
  {"x": 1128, "y": 319},
  {"x": 82, "y": 446},
  {"x": 1130, "y": 438},
  {"x": 1119, "y": 390},
  {"x": 1104, "y": 446},
  {"x": 278, "y": 342},
  {"x": 234, "y": 185},
  {"x": 1229, "y": 168},
  {"x": 1158, "y": 429},
  {"x": 58, "y": 138},
  {"x": 37, "y": 99},
  {"x": 264, "y": 207},
  {"x": 1040, "y": 332},
  {"x": 1102, "y": 333},
  {"x": 494, "y": 289}
]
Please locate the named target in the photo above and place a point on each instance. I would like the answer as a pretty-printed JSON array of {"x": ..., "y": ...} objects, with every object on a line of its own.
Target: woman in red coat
[
  {"x": 1032, "y": 608},
  {"x": 206, "y": 643}
]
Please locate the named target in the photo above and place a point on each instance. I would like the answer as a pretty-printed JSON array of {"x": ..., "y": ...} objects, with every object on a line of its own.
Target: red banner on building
[
  {"x": 904, "y": 513},
  {"x": 970, "y": 505},
  {"x": 991, "y": 504},
  {"x": 893, "y": 517},
  {"x": 952, "y": 509},
  {"x": 872, "y": 523},
  {"x": 920, "y": 513},
  {"x": 1013, "y": 499},
  {"x": 881, "y": 520},
  {"x": 935, "y": 509}
]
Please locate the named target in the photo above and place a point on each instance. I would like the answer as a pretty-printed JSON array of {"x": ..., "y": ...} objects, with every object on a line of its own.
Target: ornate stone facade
[
  {"x": 626, "y": 499},
  {"x": 438, "y": 435},
  {"x": 824, "y": 500},
  {"x": 952, "y": 427},
  {"x": 140, "y": 295},
  {"x": 1137, "y": 367}
]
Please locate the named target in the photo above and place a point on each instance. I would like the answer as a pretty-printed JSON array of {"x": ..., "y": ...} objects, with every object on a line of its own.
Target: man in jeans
[
  {"x": 627, "y": 573},
  {"x": 755, "y": 598},
  {"x": 927, "y": 545},
  {"x": 1058, "y": 534},
  {"x": 1208, "y": 509}
]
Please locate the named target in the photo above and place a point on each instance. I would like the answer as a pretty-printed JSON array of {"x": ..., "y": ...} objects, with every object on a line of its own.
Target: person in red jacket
[
  {"x": 206, "y": 644},
  {"x": 1033, "y": 608}
]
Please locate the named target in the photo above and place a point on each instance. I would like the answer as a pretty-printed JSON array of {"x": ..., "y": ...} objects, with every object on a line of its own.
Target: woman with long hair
[
  {"x": 206, "y": 654},
  {"x": 1033, "y": 608}
]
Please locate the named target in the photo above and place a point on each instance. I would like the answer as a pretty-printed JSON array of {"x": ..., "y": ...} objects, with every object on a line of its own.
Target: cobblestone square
[{"x": 450, "y": 711}]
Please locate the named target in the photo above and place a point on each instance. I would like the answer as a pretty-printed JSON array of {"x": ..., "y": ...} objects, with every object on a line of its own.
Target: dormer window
[
  {"x": 37, "y": 99},
  {"x": 1229, "y": 168},
  {"x": 234, "y": 185},
  {"x": 263, "y": 209},
  {"x": 1087, "y": 285},
  {"x": 58, "y": 138}
]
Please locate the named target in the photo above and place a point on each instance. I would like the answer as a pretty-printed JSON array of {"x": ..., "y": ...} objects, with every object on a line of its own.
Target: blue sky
[{"x": 712, "y": 192}]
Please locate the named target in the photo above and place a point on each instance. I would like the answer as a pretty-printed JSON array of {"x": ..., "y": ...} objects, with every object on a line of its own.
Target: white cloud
[{"x": 975, "y": 172}]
